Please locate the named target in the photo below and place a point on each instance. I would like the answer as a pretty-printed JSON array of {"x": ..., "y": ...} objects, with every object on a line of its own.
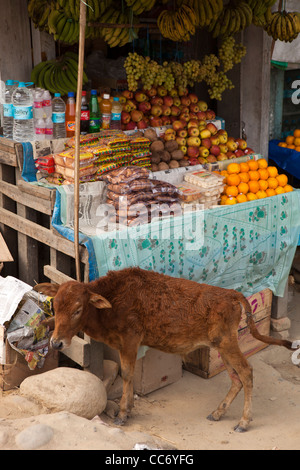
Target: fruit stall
[{"x": 169, "y": 188}]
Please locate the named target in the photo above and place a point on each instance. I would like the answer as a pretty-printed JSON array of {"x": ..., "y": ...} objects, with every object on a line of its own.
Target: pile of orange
[
  {"x": 292, "y": 141},
  {"x": 252, "y": 180}
]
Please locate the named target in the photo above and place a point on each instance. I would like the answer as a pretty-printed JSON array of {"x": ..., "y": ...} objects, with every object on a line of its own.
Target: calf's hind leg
[
  {"x": 240, "y": 373},
  {"x": 128, "y": 359}
]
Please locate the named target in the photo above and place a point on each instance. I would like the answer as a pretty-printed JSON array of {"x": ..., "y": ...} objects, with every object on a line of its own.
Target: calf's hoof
[
  {"x": 239, "y": 428},
  {"x": 120, "y": 421},
  {"x": 214, "y": 416}
]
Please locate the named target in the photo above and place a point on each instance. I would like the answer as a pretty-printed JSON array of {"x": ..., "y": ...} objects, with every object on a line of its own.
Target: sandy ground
[{"x": 175, "y": 416}]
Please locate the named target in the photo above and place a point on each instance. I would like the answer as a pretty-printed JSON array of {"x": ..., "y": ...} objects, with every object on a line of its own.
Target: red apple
[
  {"x": 184, "y": 117},
  {"x": 193, "y": 161},
  {"x": 173, "y": 92},
  {"x": 193, "y": 123},
  {"x": 221, "y": 157},
  {"x": 178, "y": 125},
  {"x": 170, "y": 131},
  {"x": 215, "y": 140},
  {"x": 230, "y": 154},
  {"x": 193, "y": 98},
  {"x": 151, "y": 92},
  {"x": 211, "y": 158},
  {"x": 175, "y": 110},
  {"x": 177, "y": 101},
  {"x": 131, "y": 126},
  {"x": 155, "y": 121},
  {"x": 231, "y": 144},
  {"x": 166, "y": 120},
  {"x": 212, "y": 128},
  {"x": 182, "y": 91},
  {"x": 142, "y": 124},
  {"x": 205, "y": 134},
  {"x": 166, "y": 110},
  {"x": 169, "y": 136},
  {"x": 210, "y": 114},
  {"x": 202, "y": 105},
  {"x": 136, "y": 115},
  {"x": 145, "y": 106},
  {"x": 182, "y": 133},
  {"x": 156, "y": 110},
  {"x": 185, "y": 101},
  {"x": 140, "y": 96},
  {"x": 242, "y": 144},
  {"x": 194, "y": 108},
  {"x": 215, "y": 150},
  {"x": 126, "y": 107},
  {"x": 206, "y": 142},
  {"x": 247, "y": 151},
  {"x": 222, "y": 136},
  {"x": 201, "y": 115},
  {"x": 193, "y": 131},
  {"x": 239, "y": 153},
  {"x": 201, "y": 160},
  {"x": 168, "y": 100},
  {"x": 193, "y": 152},
  {"x": 128, "y": 94},
  {"x": 125, "y": 117},
  {"x": 180, "y": 140},
  {"x": 157, "y": 100},
  {"x": 223, "y": 148}
]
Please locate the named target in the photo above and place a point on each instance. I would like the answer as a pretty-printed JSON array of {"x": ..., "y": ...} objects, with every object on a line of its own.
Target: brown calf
[{"x": 132, "y": 307}]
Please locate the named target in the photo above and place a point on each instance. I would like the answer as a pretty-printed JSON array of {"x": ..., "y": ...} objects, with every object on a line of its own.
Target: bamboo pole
[{"x": 82, "y": 24}]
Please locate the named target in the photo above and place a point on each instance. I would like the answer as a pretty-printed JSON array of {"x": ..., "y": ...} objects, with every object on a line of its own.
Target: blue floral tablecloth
[{"x": 247, "y": 247}]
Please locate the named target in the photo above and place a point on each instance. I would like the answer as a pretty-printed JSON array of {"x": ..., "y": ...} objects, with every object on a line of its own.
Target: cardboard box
[
  {"x": 153, "y": 371},
  {"x": 207, "y": 362},
  {"x": 16, "y": 368}
]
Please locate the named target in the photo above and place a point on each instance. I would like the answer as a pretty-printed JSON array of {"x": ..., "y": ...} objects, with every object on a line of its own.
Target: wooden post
[{"x": 82, "y": 23}]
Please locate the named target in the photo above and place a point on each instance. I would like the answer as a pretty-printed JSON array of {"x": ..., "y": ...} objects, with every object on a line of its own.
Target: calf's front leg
[{"x": 128, "y": 359}]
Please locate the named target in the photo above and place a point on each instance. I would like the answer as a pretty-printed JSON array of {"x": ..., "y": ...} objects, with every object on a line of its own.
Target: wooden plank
[
  {"x": 42, "y": 234},
  {"x": 7, "y": 143},
  {"x": 38, "y": 191},
  {"x": 95, "y": 365},
  {"x": 34, "y": 202},
  {"x": 55, "y": 275},
  {"x": 27, "y": 249},
  {"x": 79, "y": 351},
  {"x": 8, "y": 158}
]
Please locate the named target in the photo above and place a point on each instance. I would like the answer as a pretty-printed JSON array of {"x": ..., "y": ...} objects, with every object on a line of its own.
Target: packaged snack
[
  {"x": 203, "y": 178},
  {"x": 188, "y": 192}
]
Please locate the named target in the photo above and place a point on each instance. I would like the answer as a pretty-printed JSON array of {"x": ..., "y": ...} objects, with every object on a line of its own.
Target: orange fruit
[
  {"x": 279, "y": 190},
  {"x": 292, "y": 146},
  {"x": 282, "y": 144},
  {"x": 273, "y": 172},
  {"x": 243, "y": 188},
  {"x": 297, "y": 133},
  {"x": 273, "y": 183},
  {"x": 253, "y": 186},
  {"x": 254, "y": 175},
  {"x": 263, "y": 174},
  {"x": 297, "y": 148},
  {"x": 263, "y": 184},
  {"x": 251, "y": 196},
  {"x": 233, "y": 168},
  {"x": 290, "y": 139},
  {"x": 241, "y": 198},
  {"x": 262, "y": 163},
  {"x": 230, "y": 201},
  {"x": 270, "y": 192},
  {"x": 253, "y": 165},
  {"x": 282, "y": 180},
  {"x": 288, "y": 188},
  {"x": 223, "y": 199},
  {"x": 244, "y": 167},
  {"x": 261, "y": 194},
  {"x": 233, "y": 179},
  {"x": 296, "y": 141},
  {"x": 232, "y": 191},
  {"x": 244, "y": 177}
]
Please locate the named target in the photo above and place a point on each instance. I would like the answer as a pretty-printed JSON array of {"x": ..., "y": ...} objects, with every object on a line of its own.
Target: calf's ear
[
  {"x": 98, "y": 301},
  {"x": 47, "y": 288}
]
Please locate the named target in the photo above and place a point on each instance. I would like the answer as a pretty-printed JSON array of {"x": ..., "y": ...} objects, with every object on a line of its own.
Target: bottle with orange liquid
[
  {"x": 70, "y": 114},
  {"x": 105, "y": 109}
]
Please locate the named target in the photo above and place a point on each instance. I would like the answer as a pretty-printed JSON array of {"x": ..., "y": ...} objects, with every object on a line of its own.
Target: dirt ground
[{"x": 175, "y": 416}]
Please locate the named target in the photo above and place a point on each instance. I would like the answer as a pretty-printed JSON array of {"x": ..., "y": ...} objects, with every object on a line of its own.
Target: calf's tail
[{"x": 246, "y": 309}]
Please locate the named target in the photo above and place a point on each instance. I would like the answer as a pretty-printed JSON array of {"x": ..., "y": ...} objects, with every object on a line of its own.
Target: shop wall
[{"x": 15, "y": 40}]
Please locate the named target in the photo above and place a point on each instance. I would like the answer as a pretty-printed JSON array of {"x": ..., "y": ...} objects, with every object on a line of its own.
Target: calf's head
[{"x": 72, "y": 302}]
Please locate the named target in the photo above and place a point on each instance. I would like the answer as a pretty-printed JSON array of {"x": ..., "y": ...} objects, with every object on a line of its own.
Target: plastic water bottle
[
  {"x": 47, "y": 104},
  {"x": 22, "y": 100},
  {"x": 39, "y": 127},
  {"x": 116, "y": 110},
  {"x": 8, "y": 118},
  {"x": 38, "y": 112},
  {"x": 58, "y": 117},
  {"x": 48, "y": 128}
]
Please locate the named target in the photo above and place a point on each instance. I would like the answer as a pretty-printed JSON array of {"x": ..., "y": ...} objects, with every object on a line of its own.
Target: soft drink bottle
[
  {"x": 70, "y": 114},
  {"x": 94, "y": 113},
  {"x": 22, "y": 100},
  {"x": 116, "y": 110},
  {"x": 105, "y": 108},
  {"x": 85, "y": 115}
]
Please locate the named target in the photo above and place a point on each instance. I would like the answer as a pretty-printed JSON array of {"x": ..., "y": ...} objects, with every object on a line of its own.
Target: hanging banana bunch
[
  {"x": 139, "y": 6},
  {"x": 235, "y": 17},
  {"x": 178, "y": 25},
  {"x": 283, "y": 26}
]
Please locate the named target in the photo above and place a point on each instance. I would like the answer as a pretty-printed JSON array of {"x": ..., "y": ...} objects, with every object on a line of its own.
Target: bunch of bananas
[
  {"x": 139, "y": 6},
  {"x": 118, "y": 36},
  {"x": 284, "y": 26},
  {"x": 58, "y": 76},
  {"x": 38, "y": 11},
  {"x": 261, "y": 10},
  {"x": 235, "y": 17},
  {"x": 205, "y": 11},
  {"x": 178, "y": 25}
]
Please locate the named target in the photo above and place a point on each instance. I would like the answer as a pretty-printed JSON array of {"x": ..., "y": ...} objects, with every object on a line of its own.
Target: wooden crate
[{"x": 207, "y": 362}]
